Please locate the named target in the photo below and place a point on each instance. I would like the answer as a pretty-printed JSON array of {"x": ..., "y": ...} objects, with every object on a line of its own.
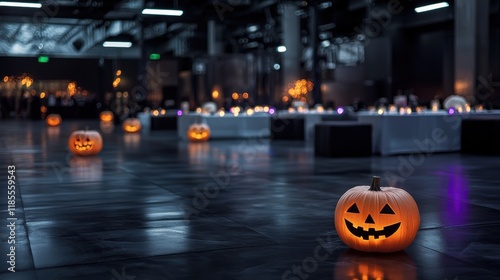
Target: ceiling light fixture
[
  {"x": 162, "y": 12},
  {"x": 116, "y": 44},
  {"x": 20, "y": 4},
  {"x": 431, "y": 7},
  {"x": 281, "y": 49}
]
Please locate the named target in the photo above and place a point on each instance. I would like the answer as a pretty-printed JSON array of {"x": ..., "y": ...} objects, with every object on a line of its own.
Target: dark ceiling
[{"x": 78, "y": 27}]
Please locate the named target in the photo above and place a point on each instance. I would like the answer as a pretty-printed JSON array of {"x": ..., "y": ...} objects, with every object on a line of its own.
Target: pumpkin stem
[{"x": 375, "y": 184}]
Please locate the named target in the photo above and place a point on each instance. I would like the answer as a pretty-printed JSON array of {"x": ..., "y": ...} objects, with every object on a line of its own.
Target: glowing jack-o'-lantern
[
  {"x": 360, "y": 265},
  {"x": 198, "y": 132},
  {"x": 53, "y": 120},
  {"x": 106, "y": 116},
  {"x": 377, "y": 219},
  {"x": 85, "y": 142},
  {"x": 132, "y": 125}
]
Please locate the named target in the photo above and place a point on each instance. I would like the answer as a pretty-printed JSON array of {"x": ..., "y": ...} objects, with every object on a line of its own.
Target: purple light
[
  {"x": 340, "y": 110},
  {"x": 179, "y": 112},
  {"x": 451, "y": 111},
  {"x": 272, "y": 111}
]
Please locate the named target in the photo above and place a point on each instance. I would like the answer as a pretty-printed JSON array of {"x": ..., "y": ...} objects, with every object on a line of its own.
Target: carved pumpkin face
[
  {"x": 372, "y": 266},
  {"x": 106, "y": 116},
  {"x": 198, "y": 132},
  {"x": 53, "y": 120},
  {"x": 85, "y": 142},
  {"x": 132, "y": 125},
  {"x": 375, "y": 219}
]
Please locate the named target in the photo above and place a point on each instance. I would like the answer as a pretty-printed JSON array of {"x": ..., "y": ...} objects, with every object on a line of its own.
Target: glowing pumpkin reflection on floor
[
  {"x": 132, "y": 125},
  {"x": 375, "y": 266},
  {"x": 198, "y": 132},
  {"x": 85, "y": 169},
  {"x": 377, "y": 219},
  {"x": 85, "y": 142},
  {"x": 106, "y": 116},
  {"x": 107, "y": 127},
  {"x": 53, "y": 120}
]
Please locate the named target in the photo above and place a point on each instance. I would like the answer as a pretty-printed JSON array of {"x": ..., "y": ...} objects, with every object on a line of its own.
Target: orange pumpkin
[
  {"x": 106, "y": 116},
  {"x": 85, "y": 142},
  {"x": 360, "y": 265},
  {"x": 132, "y": 125},
  {"x": 198, "y": 132},
  {"x": 53, "y": 119},
  {"x": 375, "y": 219}
]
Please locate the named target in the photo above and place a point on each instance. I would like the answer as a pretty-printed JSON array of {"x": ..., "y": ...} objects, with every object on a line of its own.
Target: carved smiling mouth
[
  {"x": 365, "y": 234},
  {"x": 84, "y": 147}
]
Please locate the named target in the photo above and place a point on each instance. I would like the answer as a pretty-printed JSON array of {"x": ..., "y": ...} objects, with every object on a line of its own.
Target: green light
[
  {"x": 154, "y": 56},
  {"x": 43, "y": 59}
]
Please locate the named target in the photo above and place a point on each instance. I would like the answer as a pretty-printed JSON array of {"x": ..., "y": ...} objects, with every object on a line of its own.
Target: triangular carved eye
[
  {"x": 353, "y": 209},
  {"x": 387, "y": 210}
]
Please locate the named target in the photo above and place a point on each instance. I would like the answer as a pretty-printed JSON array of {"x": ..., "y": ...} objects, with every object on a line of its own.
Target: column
[
  {"x": 471, "y": 46},
  {"x": 291, "y": 40}
]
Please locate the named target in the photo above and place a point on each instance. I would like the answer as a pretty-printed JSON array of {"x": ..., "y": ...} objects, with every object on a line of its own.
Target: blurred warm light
[
  {"x": 26, "y": 81},
  {"x": 249, "y": 112},
  {"x": 380, "y": 111},
  {"x": 71, "y": 88},
  {"x": 459, "y": 109},
  {"x": 221, "y": 113},
  {"x": 43, "y": 109},
  {"x": 291, "y": 110},
  {"x": 155, "y": 113},
  {"x": 125, "y": 94},
  {"x": 319, "y": 108},
  {"x": 467, "y": 107},
  {"x": 419, "y": 109},
  {"x": 461, "y": 87},
  {"x": 408, "y": 110},
  {"x": 235, "y": 110},
  {"x": 299, "y": 89},
  {"x": 235, "y": 95},
  {"x": 402, "y": 111},
  {"x": 163, "y": 112},
  {"x": 118, "y": 72},
  {"x": 266, "y": 109},
  {"x": 42, "y": 94},
  {"x": 245, "y": 95},
  {"x": 116, "y": 82},
  {"x": 479, "y": 107},
  {"x": 215, "y": 94},
  {"x": 5, "y": 79},
  {"x": 119, "y": 94},
  {"x": 258, "y": 109},
  {"x": 285, "y": 99},
  {"x": 198, "y": 110},
  {"x": 392, "y": 108}
]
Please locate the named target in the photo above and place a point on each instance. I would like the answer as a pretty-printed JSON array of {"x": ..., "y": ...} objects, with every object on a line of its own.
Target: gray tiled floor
[{"x": 137, "y": 210}]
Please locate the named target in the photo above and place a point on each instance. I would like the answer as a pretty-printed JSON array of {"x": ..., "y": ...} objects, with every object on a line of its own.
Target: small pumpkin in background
[
  {"x": 377, "y": 219},
  {"x": 198, "y": 132},
  {"x": 85, "y": 142},
  {"x": 132, "y": 125},
  {"x": 106, "y": 116},
  {"x": 53, "y": 119}
]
